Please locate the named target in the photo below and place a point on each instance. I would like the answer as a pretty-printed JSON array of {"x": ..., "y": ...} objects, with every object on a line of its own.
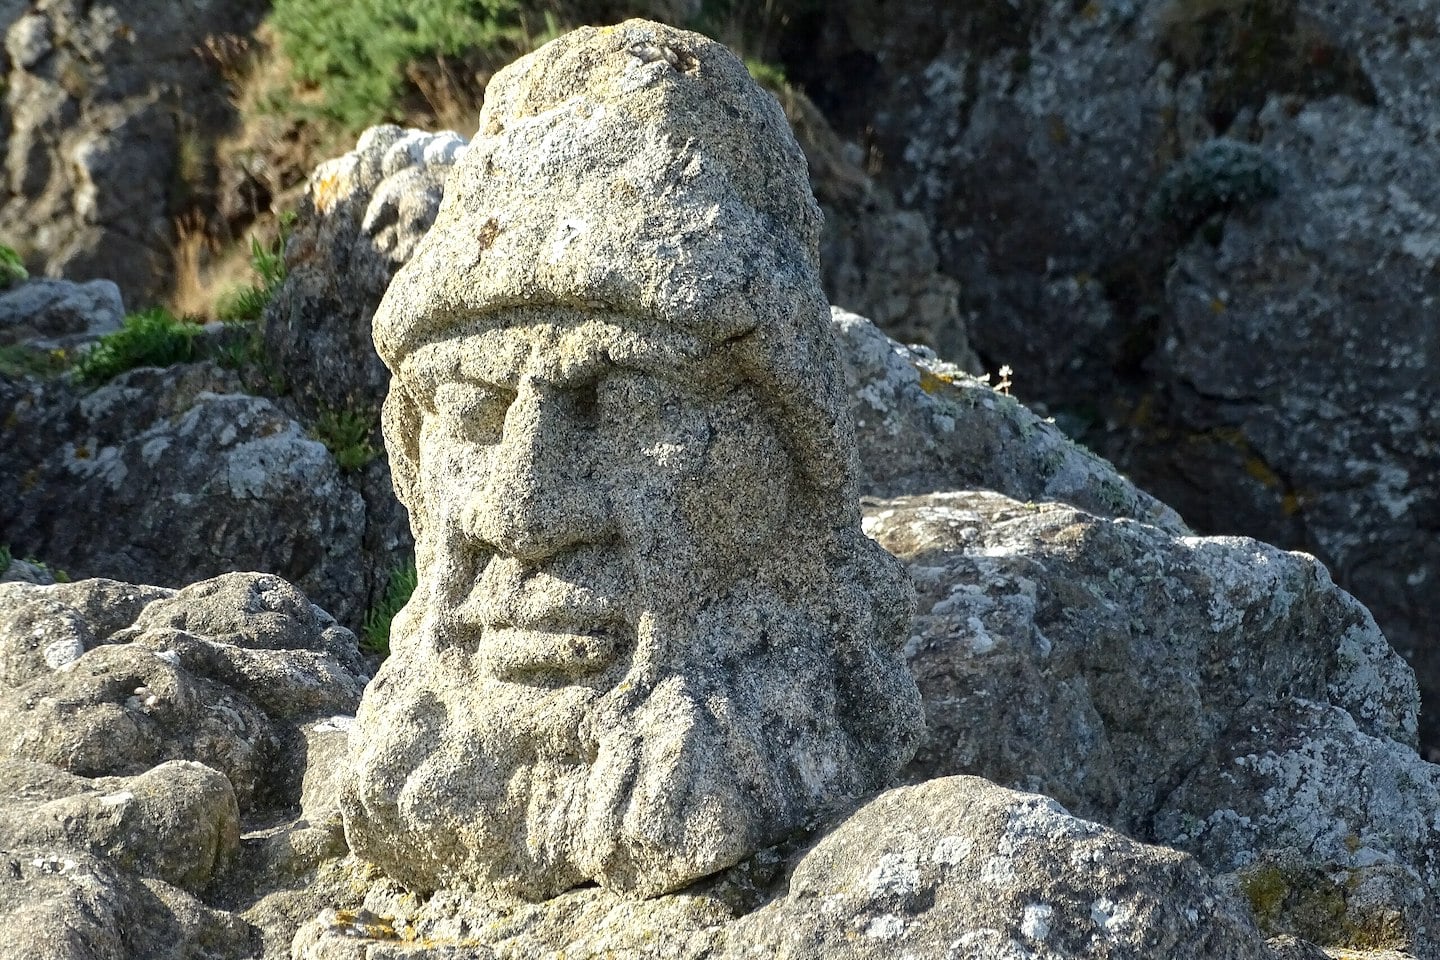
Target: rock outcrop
[
  {"x": 1200, "y": 232},
  {"x": 641, "y": 654},
  {"x": 108, "y": 120},
  {"x": 140, "y": 727},
  {"x": 169, "y": 475},
  {"x": 1196, "y": 692}
]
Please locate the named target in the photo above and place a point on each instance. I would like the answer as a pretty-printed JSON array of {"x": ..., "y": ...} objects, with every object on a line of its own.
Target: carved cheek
[{"x": 739, "y": 500}]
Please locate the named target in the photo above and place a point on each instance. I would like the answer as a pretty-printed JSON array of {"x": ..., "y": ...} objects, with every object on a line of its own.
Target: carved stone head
[{"x": 650, "y": 638}]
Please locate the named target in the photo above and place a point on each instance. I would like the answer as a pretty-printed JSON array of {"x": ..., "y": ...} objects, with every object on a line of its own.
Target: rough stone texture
[
  {"x": 1215, "y": 694},
  {"x": 923, "y": 424},
  {"x": 107, "y": 124},
  {"x": 635, "y": 656},
  {"x": 168, "y": 476},
  {"x": 176, "y": 822},
  {"x": 62, "y": 904},
  {"x": 898, "y": 878},
  {"x": 102, "y": 678},
  {"x": 58, "y": 314},
  {"x": 878, "y": 260},
  {"x": 1265, "y": 366},
  {"x": 360, "y": 219},
  {"x": 1301, "y": 379}
]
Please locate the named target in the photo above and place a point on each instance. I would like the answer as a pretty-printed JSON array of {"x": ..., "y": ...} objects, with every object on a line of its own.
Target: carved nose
[{"x": 540, "y": 496}]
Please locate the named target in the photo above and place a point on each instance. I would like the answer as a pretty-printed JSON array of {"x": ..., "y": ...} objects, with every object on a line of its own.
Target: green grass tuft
[
  {"x": 375, "y": 633},
  {"x": 150, "y": 338},
  {"x": 12, "y": 269},
  {"x": 346, "y": 434},
  {"x": 20, "y": 362},
  {"x": 362, "y": 54}
]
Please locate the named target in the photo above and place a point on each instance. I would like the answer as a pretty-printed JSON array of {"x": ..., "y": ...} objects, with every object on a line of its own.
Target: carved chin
[{"x": 464, "y": 781}]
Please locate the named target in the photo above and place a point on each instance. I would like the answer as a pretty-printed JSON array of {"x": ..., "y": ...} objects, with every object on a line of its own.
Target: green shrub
[
  {"x": 242, "y": 309},
  {"x": 1220, "y": 175},
  {"x": 346, "y": 434},
  {"x": 359, "y": 53},
  {"x": 375, "y": 632},
  {"x": 12, "y": 270},
  {"x": 150, "y": 338}
]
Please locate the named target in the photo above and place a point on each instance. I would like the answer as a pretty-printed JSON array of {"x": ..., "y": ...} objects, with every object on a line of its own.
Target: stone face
[
  {"x": 649, "y": 637},
  {"x": 1214, "y": 694}
]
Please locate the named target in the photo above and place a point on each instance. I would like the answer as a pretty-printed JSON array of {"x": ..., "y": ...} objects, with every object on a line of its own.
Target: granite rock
[
  {"x": 1213, "y": 694},
  {"x": 898, "y": 877},
  {"x": 101, "y": 484},
  {"x": 108, "y": 679},
  {"x": 108, "y": 125}
]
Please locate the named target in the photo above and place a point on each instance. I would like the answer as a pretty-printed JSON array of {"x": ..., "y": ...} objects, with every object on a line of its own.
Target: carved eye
[{"x": 473, "y": 412}]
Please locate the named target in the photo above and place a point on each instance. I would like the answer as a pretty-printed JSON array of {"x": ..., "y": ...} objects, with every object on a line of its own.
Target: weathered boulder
[
  {"x": 360, "y": 219},
  {"x": 1218, "y": 695},
  {"x": 956, "y": 867},
  {"x": 107, "y": 679},
  {"x": 105, "y": 483},
  {"x": 1202, "y": 232},
  {"x": 923, "y": 424},
  {"x": 108, "y": 126},
  {"x": 177, "y": 822},
  {"x": 58, "y": 314},
  {"x": 58, "y": 903}
]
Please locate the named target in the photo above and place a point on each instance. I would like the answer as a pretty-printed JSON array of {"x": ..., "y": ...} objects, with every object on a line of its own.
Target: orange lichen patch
[
  {"x": 486, "y": 235},
  {"x": 931, "y": 382},
  {"x": 1291, "y": 504},
  {"x": 327, "y": 192},
  {"x": 1217, "y": 305}
]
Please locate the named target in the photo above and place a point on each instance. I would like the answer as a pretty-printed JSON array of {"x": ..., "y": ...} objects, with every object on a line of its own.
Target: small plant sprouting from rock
[
  {"x": 346, "y": 434},
  {"x": 375, "y": 632},
  {"x": 242, "y": 309},
  {"x": 149, "y": 338},
  {"x": 246, "y": 305},
  {"x": 1003, "y": 381},
  {"x": 1221, "y": 175},
  {"x": 5, "y": 557},
  {"x": 12, "y": 269}
]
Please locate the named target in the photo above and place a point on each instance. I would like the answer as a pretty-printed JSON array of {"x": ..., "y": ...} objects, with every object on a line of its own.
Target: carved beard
[{"x": 716, "y": 738}]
